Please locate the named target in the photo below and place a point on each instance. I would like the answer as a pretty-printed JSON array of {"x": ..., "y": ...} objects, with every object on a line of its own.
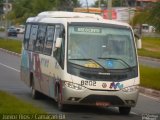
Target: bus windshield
[{"x": 101, "y": 47}]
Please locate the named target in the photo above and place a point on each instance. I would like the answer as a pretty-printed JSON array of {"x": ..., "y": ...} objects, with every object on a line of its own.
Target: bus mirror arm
[{"x": 58, "y": 42}]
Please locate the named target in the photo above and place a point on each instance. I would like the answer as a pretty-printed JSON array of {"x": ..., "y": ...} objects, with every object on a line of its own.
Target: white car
[{"x": 20, "y": 29}]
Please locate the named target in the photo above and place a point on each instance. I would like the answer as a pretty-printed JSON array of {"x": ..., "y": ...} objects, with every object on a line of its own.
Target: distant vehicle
[
  {"x": 20, "y": 29},
  {"x": 12, "y": 32},
  {"x": 148, "y": 28}
]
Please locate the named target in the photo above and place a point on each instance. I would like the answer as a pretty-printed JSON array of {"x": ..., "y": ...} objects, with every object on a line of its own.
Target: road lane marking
[
  {"x": 133, "y": 113},
  {"x": 151, "y": 97},
  {"x": 9, "y": 67}
]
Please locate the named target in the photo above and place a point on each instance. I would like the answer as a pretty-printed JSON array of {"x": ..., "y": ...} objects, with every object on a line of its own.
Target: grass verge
[
  {"x": 146, "y": 53},
  {"x": 150, "y": 77},
  {"x": 150, "y": 47},
  {"x": 11, "y": 45},
  {"x": 9, "y": 104}
]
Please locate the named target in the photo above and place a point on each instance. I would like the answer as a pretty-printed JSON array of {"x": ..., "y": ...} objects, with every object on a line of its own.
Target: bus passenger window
[
  {"x": 40, "y": 38},
  {"x": 33, "y": 37},
  {"x": 49, "y": 40},
  {"x": 27, "y": 36}
]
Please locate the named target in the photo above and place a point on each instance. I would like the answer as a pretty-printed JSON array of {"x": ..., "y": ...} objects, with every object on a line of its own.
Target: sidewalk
[{"x": 143, "y": 90}]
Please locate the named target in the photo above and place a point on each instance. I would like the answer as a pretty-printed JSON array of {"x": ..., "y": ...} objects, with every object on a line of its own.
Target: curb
[
  {"x": 143, "y": 90},
  {"x": 10, "y": 52},
  {"x": 150, "y": 92},
  {"x": 149, "y": 58}
]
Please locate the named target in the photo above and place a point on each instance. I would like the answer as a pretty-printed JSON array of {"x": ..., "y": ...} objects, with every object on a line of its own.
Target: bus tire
[
  {"x": 124, "y": 110},
  {"x": 35, "y": 93},
  {"x": 61, "y": 106}
]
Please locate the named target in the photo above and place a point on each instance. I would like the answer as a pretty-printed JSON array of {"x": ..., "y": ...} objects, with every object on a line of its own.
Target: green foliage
[
  {"x": 150, "y": 77},
  {"x": 22, "y": 9},
  {"x": 147, "y": 53},
  {"x": 11, "y": 45},
  {"x": 141, "y": 18},
  {"x": 116, "y": 3},
  {"x": 149, "y": 16},
  {"x": 150, "y": 47},
  {"x": 103, "y": 2},
  {"x": 1, "y": 7},
  {"x": 154, "y": 16}
]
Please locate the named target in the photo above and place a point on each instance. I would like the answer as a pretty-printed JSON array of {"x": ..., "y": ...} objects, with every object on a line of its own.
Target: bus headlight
[
  {"x": 131, "y": 89},
  {"x": 74, "y": 86}
]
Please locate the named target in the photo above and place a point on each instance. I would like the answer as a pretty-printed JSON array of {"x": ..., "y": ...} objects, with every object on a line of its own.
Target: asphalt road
[
  {"x": 10, "y": 82},
  {"x": 149, "y": 62},
  {"x": 19, "y": 36}
]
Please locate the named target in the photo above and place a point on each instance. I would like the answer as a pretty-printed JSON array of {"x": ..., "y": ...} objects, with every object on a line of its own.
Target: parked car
[{"x": 12, "y": 32}]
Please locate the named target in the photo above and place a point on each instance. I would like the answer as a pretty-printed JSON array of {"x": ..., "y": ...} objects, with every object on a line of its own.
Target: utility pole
[
  {"x": 99, "y": 3},
  {"x": 6, "y": 21},
  {"x": 87, "y": 6},
  {"x": 109, "y": 7}
]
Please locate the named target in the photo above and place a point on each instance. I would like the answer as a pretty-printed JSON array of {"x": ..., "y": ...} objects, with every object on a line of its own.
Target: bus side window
[
  {"x": 59, "y": 53},
  {"x": 33, "y": 37},
  {"x": 49, "y": 40},
  {"x": 40, "y": 38},
  {"x": 27, "y": 36}
]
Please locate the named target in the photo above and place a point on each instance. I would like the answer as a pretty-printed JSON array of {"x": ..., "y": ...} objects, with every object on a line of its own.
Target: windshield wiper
[
  {"x": 86, "y": 59},
  {"x": 116, "y": 59}
]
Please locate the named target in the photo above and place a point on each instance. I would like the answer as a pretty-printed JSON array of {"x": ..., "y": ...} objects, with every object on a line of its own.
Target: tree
[
  {"x": 22, "y": 9},
  {"x": 148, "y": 16},
  {"x": 1, "y": 7},
  {"x": 154, "y": 14},
  {"x": 102, "y": 2}
]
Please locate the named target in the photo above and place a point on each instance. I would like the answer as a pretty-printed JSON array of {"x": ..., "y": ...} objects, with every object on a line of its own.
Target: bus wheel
[
  {"x": 35, "y": 93},
  {"x": 124, "y": 110},
  {"x": 61, "y": 106}
]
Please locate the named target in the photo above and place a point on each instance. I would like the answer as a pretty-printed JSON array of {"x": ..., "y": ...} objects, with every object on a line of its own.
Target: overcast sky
[{"x": 90, "y": 2}]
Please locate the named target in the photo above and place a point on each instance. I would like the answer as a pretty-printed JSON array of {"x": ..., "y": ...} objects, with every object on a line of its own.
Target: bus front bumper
[{"x": 84, "y": 96}]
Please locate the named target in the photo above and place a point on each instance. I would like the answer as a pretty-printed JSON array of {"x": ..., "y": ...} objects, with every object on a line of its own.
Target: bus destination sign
[{"x": 87, "y": 29}]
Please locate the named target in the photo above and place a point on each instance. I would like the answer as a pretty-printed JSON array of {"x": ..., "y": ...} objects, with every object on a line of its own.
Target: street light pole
[
  {"x": 6, "y": 21},
  {"x": 109, "y": 7}
]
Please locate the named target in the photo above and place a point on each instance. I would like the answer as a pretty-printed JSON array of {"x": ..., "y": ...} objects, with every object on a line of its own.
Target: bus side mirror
[
  {"x": 58, "y": 42},
  {"x": 138, "y": 41}
]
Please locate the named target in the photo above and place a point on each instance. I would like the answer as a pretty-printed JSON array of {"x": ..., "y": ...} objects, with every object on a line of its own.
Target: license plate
[{"x": 102, "y": 104}]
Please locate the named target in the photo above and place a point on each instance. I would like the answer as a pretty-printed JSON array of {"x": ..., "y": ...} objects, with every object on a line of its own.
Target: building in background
[{"x": 123, "y": 14}]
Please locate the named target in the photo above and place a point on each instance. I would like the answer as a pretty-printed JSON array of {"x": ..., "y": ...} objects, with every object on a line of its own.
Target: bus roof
[
  {"x": 63, "y": 14},
  {"x": 64, "y": 17}
]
